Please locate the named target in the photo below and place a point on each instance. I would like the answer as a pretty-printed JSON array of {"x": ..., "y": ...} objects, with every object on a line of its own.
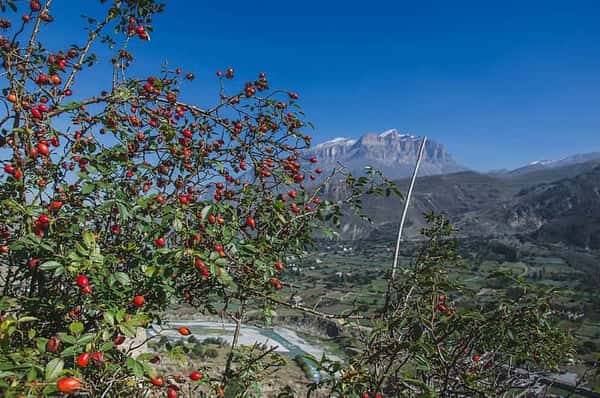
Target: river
[{"x": 286, "y": 341}]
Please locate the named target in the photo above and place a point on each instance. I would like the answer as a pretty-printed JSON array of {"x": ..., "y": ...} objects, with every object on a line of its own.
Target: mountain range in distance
[
  {"x": 395, "y": 154},
  {"x": 554, "y": 202}
]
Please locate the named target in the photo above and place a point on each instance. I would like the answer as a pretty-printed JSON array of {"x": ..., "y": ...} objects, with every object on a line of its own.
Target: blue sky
[{"x": 499, "y": 83}]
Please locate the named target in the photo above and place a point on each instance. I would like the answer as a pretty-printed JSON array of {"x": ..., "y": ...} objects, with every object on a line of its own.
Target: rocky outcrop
[{"x": 393, "y": 153}]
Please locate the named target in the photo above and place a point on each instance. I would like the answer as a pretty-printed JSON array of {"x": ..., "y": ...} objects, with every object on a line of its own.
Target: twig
[
  {"x": 309, "y": 310},
  {"x": 406, "y": 203},
  {"x": 238, "y": 326}
]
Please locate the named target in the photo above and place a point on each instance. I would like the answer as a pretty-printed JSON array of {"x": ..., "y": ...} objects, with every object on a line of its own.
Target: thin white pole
[{"x": 406, "y": 203}]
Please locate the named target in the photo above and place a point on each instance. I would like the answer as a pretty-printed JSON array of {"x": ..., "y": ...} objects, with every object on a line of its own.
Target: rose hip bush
[
  {"x": 434, "y": 337},
  {"x": 116, "y": 205}
]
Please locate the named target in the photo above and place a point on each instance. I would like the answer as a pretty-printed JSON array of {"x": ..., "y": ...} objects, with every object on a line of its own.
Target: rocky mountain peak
[{"x": 390, "y": 151}]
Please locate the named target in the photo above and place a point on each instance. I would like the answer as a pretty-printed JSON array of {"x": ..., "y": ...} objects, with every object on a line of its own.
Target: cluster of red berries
[
  {"x": 41, "y": 224},
  {"x": 134, "y": 29},
  {"x": 201, "y": 266},
  {"x": 173, "y": 389},
  {"x": 16, "y": 173},
  {"x": 84, "y": 284},
  {"x": 442, "y": 307}
]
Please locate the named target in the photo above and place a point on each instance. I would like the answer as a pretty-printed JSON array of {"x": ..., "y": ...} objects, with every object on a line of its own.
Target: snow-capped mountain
[
  {"x": 551, "y": 164},
  {"x": 391, "y": 152}
]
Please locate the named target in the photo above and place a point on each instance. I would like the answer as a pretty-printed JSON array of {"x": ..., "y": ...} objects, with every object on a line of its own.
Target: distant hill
[
  {"x": 543, "y": 165},
  {"x": 558, "y": 205},
  {"x": 565, "y": 211}
]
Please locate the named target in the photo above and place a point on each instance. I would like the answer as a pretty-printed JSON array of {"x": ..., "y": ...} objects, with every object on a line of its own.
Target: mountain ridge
[{"x": 393, "y": 153}]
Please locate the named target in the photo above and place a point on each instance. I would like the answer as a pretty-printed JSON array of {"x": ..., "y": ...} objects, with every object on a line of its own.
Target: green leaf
[
  {"x": 136, "y": 368},
  {"x": 26, "y": 319},
  {"x": 41, "y": 344},
  {"x": 177, "y": 225},
  {"x": 109, "y": 318},
  {"x": 76, "y": 328},
  {"x": 122, "y": 278},
  {"x": 106, "y": 346},
  {"x": 127, "y": 330},
  {"x": 89, "y": 239},
  {"x": 69, "y": 351},
  {"x": 66, "y": 338},
  {"x": 50, "y": 265},
  {"x": 222, "y": 262},
  {"x": 204, "y": 212},
  {"x": 53, "y": 369},
  {"x": 86, "y": 338},
  {"x": 87, "y": 188}
]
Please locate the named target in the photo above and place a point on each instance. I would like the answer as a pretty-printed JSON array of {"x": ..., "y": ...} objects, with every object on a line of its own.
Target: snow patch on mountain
[
  {"x": 337, "y": 140},
  {"x": 541, "y": 162}
]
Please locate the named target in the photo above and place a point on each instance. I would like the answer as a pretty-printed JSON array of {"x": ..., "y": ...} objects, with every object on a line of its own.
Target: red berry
[
  {"x": 86, "y": 290},
  {"x": 251, "y": 222},
  {"x": 157, "y": 381},
  {"x": 160, "y": 242},
  {"x": 43, "y": 149},
  {"x": 139, "y": 301},
  {"x": 118, "y": 339},
  {"x": 172, "y": 392},
  {"x": 68, "y": 384},
  {"x": 35, "y": 6},
  {"x": 97, "y": 356},
  {"x": 83, "y": 359},
  {"x": 184, "y": 331},
  {"x": 279, "y": 266},
  {"x": 52, "y": 345},
  {"x": 36, "y": 113},
  {"x": 82, "y": 280},
  {"x": 199, "y": 263},
  {"x": 196, "y": 376}
]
